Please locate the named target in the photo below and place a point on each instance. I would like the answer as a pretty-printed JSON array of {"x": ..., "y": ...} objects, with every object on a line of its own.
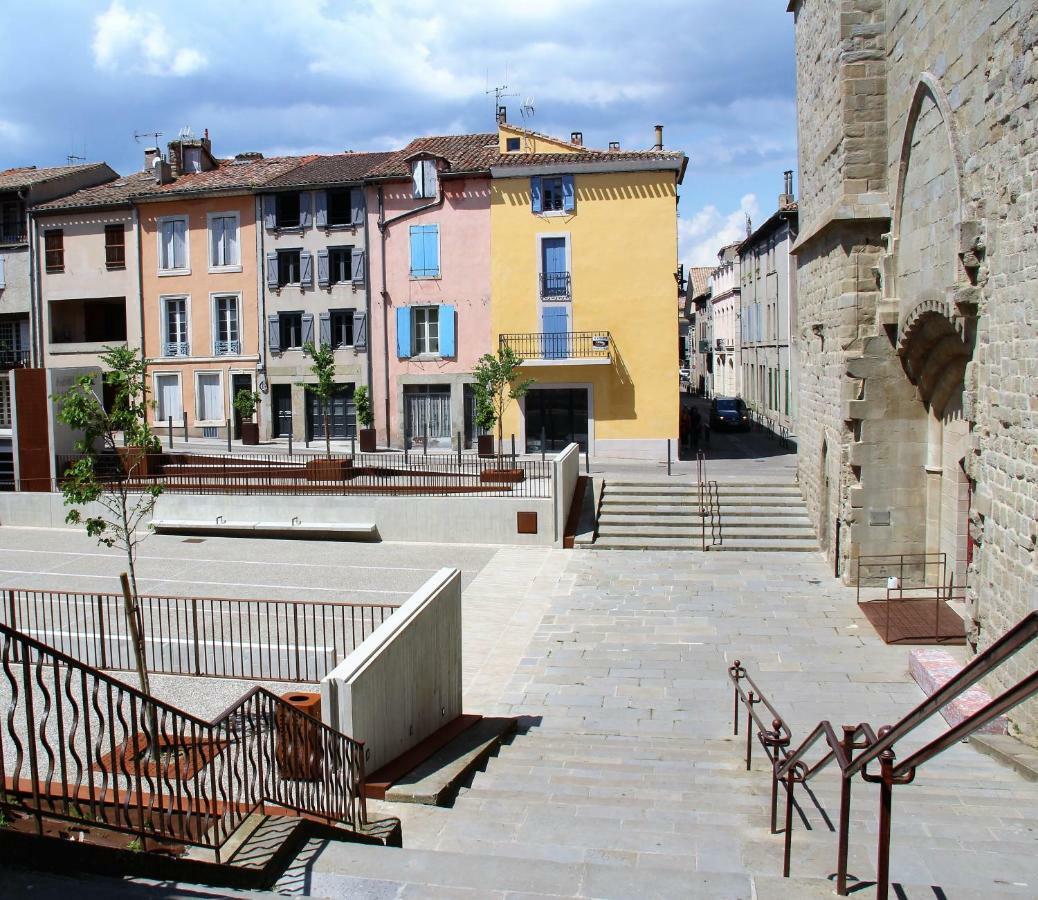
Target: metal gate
[{"x": 427, "y": 413}]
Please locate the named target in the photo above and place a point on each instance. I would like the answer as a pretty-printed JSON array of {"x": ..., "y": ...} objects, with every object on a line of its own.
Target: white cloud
[
  {"x": 708, "y": 230},
  {"x": 137, "y": 42}
]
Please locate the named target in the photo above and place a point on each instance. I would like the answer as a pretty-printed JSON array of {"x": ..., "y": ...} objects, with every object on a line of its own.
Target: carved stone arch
[{"x": 934, "y": 353}]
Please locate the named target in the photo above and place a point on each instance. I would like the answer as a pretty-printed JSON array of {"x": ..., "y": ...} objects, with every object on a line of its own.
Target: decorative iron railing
[
  {"x": 555, "y": 284},
  {"x": 253, "y": 640},
  {"x": 226, "y": 348},
  {"x": 13, "y": 359},
  {"x": 14, "y": 236},
  {"x": 81, "y": 746},
  {"x": 176, "y": 348},
  {"x": 560, "y": 345}
]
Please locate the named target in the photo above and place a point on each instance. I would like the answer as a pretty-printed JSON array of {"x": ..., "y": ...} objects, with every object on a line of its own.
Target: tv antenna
[
  {"x": 527, "y": 110},
  {"x": 73, "y": 159},
  {"x": 137, "y": 135},
  {"x": 499, "y": 92}
]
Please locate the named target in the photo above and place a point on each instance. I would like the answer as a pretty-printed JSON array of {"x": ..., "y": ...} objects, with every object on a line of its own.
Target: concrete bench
[
  {"x": 932, "y": 669},
  {"x": 310, "y": 529}
]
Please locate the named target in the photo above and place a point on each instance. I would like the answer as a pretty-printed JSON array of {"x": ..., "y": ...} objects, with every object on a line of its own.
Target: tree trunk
[
  {"x": 133, "y": 622},
  {"x": 327, "y": 432}
]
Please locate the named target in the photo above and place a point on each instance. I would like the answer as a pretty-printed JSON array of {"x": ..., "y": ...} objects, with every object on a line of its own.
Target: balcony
[
  {"x": 555, "y": 285},
  {"x": 567, "y": 348},
  {"x": 16, "y": 235},
  {"x": 226, "y": 348},
  {"x": 176, "y": 348},
  {"x": 13, "y": 359}
]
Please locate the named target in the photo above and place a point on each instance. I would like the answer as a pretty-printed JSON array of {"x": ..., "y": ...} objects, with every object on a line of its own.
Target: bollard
[
  {"x": 185, "y": 426},
  {"x": 587, "y": 461},
  {"x": 459, "y": 449},
  {"x": 290, "y": 443},
  {"x": 425, "y": 438},
  {"x": 668, "y": 457},
  {"x": 543, "y": 442},
  {"x": 228, "y": 436},
  {"x": 169, "y": 425},
  {"x": 513, "y": 451},
  {"x": 353, "y": 442}
]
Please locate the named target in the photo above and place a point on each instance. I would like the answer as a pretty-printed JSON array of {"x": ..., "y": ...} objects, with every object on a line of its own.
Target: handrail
[
  {"x": 860, "y": 745},
  {"x": 100, "y": 749},
  {"x": 709, "y": 500}
]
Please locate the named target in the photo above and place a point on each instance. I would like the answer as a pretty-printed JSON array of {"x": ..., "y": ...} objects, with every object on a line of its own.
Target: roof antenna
[
  {"x": 73, "y": 159},
  {"x": 527, "y": 110},
  {"x": 499, "y": 92},
  {"x": 137, "y": 135}
]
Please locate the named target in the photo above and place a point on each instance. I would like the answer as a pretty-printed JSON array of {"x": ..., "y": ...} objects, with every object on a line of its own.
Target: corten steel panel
[
  {"x": 526, "y": 522},
  {"x": 33, "y": 449}
]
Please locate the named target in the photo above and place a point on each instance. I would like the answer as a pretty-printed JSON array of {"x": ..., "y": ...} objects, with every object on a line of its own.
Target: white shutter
[
  {"x": 216, "y": 257},
  {"x": 429, "y": 176},
  {"x": 416, "y": 176},
  {"x": 166, "y": 261},
  {"x": 231, "y": 239},
  {"x": 210, "y": 397},
  {"x": 179, "y": 244}
]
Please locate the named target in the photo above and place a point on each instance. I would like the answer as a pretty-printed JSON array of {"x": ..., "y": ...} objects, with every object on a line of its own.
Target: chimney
[
  {"x": 577, "y": 137},
  {"x": 786, "y": 197},
  {"x": 502, "y": 115},
  {"x": 173, "y": 155},
  {"x": 614, "y": 145},
  {"x": 161, "y": 170},
  {"x": 659, "y": 138},
  {"x": 150, "y": 155}
]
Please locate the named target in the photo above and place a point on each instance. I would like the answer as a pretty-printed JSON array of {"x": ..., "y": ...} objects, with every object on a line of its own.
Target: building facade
[
  {"x": 314, "y": 246},
  {"x": 725, "y": 289},
  {"x": 768, "y": 310},
  {"x": 916, "y": 267},
  {"x": 585, "y": 303}
]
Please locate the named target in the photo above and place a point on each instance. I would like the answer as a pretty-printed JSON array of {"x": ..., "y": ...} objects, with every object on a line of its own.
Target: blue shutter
[
  {"x": 360, "y": 330},
  {"x": 357, "y": 206},
  {"x": 272, "y": 270},
  {"x": 306, "y": 269},
  {"x": 321, "y": 209},
  {"x": 308, "y": 328},
  {"x": 555, "y": 325},
  {"x": 304, "y": 209},
  {"x": 432, "y": 250},
  {"x": 417, "y": 252},
  {"x": 357, "y": 266},
  {"x": 325, "y": 328},
  {"x": 403, "y": 332},
  {"x": 448, "y": 344},
  {"x": 269, "y": 211},
  {"x": 535, "y": 193},
  {"x": 322, "y": 269},
  {"x": 568, "y": 194},
  {"x": 273, "y": 334}
]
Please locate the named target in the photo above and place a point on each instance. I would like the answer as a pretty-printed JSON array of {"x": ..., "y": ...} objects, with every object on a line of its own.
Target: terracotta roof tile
[
  {"x": 595, "y": 157},
  {"x": 335, "y": 169},
  {"x": 26, "y": 176},
  {"x": 229, "y": 175},
  {"x": 698, "y": 280},
  {"x": 113, "y": 193},
  {"x": 464, "y": 153}
]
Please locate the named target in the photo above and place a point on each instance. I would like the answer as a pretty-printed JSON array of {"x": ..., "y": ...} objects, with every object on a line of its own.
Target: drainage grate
[
  {"x": 210, "y": 431},
  {"x": 193, "y": 541}
]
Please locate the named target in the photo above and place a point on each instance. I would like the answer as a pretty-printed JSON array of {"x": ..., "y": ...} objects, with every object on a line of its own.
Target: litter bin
[{"x": 297, "y": 749}]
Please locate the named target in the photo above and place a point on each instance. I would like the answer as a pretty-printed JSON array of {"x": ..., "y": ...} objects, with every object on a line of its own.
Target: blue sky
[{"x": 308, "y": 75}]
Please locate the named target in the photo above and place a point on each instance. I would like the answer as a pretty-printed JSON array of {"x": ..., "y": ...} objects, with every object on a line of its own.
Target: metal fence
[
  {"x": 560, "y": 345},
  {"x": 379, "y": 474},
  {"x": 254, "y": 640}
]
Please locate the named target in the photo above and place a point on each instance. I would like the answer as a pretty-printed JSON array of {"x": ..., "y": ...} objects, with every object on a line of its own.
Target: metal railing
[
  {"x": 709, "y": 506},
  {"x": 14, "y": 236},
  {"x": 377, "y": 474},
  {"x": 226, "y": 348},
  {"x": 254, "y": 640},
  {"x": 560, "y": 345},
  {"x": 555, "y": 284},
  {"x": 13, "y": 359},
  {"x": 176, "y": 348},
  {"x": 855, "y": 747},
  {"x": 81, "y": 746}
]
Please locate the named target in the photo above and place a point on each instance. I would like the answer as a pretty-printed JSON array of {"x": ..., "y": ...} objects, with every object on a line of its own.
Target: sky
[{"x": 80, "y": 78}]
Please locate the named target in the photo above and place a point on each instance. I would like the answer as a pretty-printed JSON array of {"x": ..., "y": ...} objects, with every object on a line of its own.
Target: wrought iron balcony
[
  {"x": 555, "y": 284},
  {"x": 545, "y": 348},
  {"x": 17, "y": 235},
  {"x": 13, "y": 359},
  {"x": 176, "y": 348},
  {"x": 227, "y": 348}
]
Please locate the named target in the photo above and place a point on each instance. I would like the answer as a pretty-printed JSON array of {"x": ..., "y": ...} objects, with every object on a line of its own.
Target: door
[
  {"x": 427, "y": 414},
  {"x": 555, "y": 328},
  {"x": 471, "y": 428},
  {"x": 342, "y": 414},
  {"x": 560, "y": 415},
  {"x": 281, "y": 400},
  {"x": 239, "y": 383}
]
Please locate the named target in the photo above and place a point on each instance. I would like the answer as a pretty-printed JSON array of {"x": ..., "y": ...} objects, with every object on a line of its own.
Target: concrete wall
[
  {"x": 14, "y": 296},
  {"x": 405, "y": 681},
  {"x": 567, "y": 470}
]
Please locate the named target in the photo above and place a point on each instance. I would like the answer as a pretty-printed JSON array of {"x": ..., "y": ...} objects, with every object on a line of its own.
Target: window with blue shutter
[
  {"x": 270, "y": 212},
  {"x": 360, "y": 330},
  {"x": 568, "y": 193},
  {"x": 535, "y": 194},
  {"x": 403, "y": 332},
  {"x": 306, "y": 269},
  {"x": 323, "y": 276},
  {"x": 325, "y": 328},
  {"x": 272, "y": 270},
  {"x": 425, "y": 251},
  {"x": 321, "y": 209},
  {"x": 308, "y": 329},
  {"x": 304, "y": 210},
  {"x": 448, "y": 342},
  {"x": 357, "y": 206},
  {"x": 357, "y": 265},
  {"x": 274, "y": 333}
]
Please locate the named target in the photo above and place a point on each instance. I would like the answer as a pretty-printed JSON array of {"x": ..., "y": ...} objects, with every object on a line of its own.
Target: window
[
  {"x": 426, "y": 329},
  {"x": 288, "y": 211},
  {"x": 174, "y": 327},
  {"x": 225, "y": 326},
  {"x": 288, "y": 267},
  {"x": 115, "y": 247},
  {"x": 511, "y": 145},
  {"x": 54, "y": 250},
  {"x": 340, "y": 265},
  {"x": 167, "y": 398},
  {"x": 425, "y": 251},
  {"x": 340, "y": 208},
  {"x": 12, "y": 222},
  {"x": 209, "y": 397},
  {"x": 291, "y": 330},
  {"x": 551, "y": 194},
  {"x": 423, "y": 174},
  {"x": 173, "y": 244},
  {"x": 223, "y": 241},
  {"x": 341, "y": 327}
]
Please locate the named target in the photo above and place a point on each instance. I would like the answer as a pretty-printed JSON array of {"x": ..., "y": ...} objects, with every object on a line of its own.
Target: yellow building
[{"x": 584, "y": 259}]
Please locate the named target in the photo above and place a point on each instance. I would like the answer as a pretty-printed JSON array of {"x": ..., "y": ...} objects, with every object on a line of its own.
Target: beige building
[{"x": 917, "y": 290}]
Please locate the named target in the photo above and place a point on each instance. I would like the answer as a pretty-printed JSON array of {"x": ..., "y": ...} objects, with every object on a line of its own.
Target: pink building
[{"x": 429, "y": 250}]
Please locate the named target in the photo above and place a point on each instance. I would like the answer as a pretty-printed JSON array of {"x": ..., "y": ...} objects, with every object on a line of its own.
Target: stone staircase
[{"x": 665, "y": 515}]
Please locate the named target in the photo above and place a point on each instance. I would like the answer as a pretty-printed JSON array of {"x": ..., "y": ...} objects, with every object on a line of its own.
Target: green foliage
[
  {"x": 135, "y": 846},
  {"x": 245, "y": 402},
  {"x": 498, "y": 383},
  {"x": 324, "y": 368},
  {"x": 362, "y": 402}
]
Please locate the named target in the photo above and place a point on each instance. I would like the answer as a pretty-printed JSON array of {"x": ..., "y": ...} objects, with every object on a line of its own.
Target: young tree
[
  {"x": 123, "y": 503},
  {"x": 324, "y": 368},
  {"x": 498, "y": 384},
  {"x": 362, "y": 403}
]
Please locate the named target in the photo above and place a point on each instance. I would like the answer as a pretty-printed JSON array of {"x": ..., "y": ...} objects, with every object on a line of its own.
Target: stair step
[{"x": 635, "y": 519}]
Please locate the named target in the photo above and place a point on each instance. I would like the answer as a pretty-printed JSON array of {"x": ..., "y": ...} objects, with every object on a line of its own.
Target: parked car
[
  {"x": 729, "y": 413},
  {"x": 684, "y": 374}
]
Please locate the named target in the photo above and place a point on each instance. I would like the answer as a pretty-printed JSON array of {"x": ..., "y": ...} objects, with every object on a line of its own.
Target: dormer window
[
  {"x": 192, "y": 159},
  {"x": 288, "y": 210},
  {"x": 423, "y": 174},
  {"x": 512, "y": 145}
]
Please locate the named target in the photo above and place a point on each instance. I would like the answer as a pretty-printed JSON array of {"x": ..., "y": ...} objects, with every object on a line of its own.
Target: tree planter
[
  {"x": 366, "y": 437},
  {"x": 329, "y": 469},
  {"x": 250, "y": 433},
  {"x": 139, "y": 463},
  {"x": 502, "y": 476},
  {"x": 485, "y": 446},
  {"x": 297, "y": 749}
]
